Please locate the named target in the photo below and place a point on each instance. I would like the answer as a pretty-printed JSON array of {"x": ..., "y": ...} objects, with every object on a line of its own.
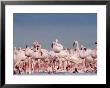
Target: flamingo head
[
  {"x": 75, "y": 49},
  {"x": 56, "y": 41},
  {"x": 37, "y": 43},
  {"x": 19, "y": 48},
  {"x": 52, "y": 45},
  {"x": 85, "y": 48},
  {"x": 75, "y": 42},
  {"x": 37, "y": 48},
  {"x": 82, "y": 47},
  {"x": 34, "y": 43},
  {"x": 95, "y": 43},
  {"x": 26, "y": 46},
  {"x": 68, "y": 48}
]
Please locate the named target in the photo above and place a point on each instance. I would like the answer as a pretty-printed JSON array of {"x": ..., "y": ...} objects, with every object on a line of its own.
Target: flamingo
[
  {"x": 57, "y": 47},
  {"x": 59, "y": 52},
  {"x": 88, "y": 54},
  {"x": 62, "y": 57},
  {"x": 15, "y": 52},
  {"x": 37, "y": 45},
  {"x": 59, "y": 59},
  {"x": 94, "y": 52},
  {"x": 74, "y": 56},
  {"x": 39, "y": 53},
  {"x": 77, "y": 45},
  {"x": 77, "y": 55},
  {"x": 20, "y": 56}
]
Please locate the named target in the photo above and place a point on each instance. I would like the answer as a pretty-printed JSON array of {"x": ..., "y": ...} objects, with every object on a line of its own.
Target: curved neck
[{"x": 77, "y": 45}]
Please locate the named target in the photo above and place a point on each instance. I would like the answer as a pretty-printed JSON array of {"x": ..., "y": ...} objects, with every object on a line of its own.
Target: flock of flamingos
[{"x": 36, "y": 60}]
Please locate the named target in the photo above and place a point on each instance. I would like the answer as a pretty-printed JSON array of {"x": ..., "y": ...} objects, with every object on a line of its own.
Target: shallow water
[{"x": 59, "y": 73}]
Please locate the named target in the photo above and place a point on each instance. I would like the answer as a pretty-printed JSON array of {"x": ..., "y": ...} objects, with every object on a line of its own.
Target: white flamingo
[
  {"x": 88, "y": 54},
  {"x": 74, "y": 57},
  {"x": 39, "y": 54},
  {"x": 28, "y": 51},
  {"x": 20, "y": 56},
  {"x": 77, "y": 45},
  {"x": 37, "y": 45},
  {"x": 94, "y": 52},
  {"x": 38, "y": 51},
  {"x": 57, "y": 47},
  {"x": 35, "y": 58},
  {"x": 15, "y": 52}
]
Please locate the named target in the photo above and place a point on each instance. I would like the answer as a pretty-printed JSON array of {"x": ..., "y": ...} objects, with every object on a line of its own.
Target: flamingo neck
[{"x": 77, "y": 45}]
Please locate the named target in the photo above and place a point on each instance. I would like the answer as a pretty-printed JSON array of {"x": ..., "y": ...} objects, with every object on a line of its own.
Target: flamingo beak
[
  {"x": 85, "y": 49},
  {"x": 95, "y": 42},
  {"x": 73, "y": 44},
  {"x": 52, "y": 45},
  {"x": 26, "y": 46},
  {"x": 41, "y": 53}
]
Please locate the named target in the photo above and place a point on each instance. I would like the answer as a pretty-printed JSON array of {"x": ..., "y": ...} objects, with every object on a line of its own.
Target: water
[{"x": 58, "y": 74}]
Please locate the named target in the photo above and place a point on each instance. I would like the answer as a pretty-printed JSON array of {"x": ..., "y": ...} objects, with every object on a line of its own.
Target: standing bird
[{"x": 56, "y": 46}]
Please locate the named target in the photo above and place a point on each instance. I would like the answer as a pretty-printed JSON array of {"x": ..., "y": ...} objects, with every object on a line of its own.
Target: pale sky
[{"x": 46, "y": 27}]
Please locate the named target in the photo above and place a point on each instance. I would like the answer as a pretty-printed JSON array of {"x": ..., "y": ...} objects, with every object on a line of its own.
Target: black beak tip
[
  {"x": 52, "y": 45},
  {"x": 95, "y": 42},
  {"x": 73, "y": 43}
]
